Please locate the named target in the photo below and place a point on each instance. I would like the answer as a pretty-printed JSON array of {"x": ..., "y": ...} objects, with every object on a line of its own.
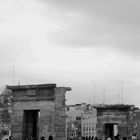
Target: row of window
[
  {"x": 88, "y": 123},
  {"x": 72, "y": 134},
  {"x": 88, "y": 134},
  {"x": 87, "y": 116},
  {"x": 88, "y": 128}
]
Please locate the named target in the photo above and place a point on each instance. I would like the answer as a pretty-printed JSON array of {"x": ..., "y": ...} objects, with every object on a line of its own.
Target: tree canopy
[{"x": 5, "y": 106}]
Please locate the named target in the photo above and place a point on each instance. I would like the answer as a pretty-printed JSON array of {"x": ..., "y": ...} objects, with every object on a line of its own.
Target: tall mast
[
  {"x": 94, "y": 94},
  {"x": 122, "y": 91}
]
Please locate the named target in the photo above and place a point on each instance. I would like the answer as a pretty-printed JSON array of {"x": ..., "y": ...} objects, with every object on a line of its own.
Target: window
[
  {"x": 78, "y": 118},
  {"x": 83, "y": 128},
  {"x": 89, "y": 129},
  {"x": 50, "y": 138},
  {"x": 68, "y": 109}
]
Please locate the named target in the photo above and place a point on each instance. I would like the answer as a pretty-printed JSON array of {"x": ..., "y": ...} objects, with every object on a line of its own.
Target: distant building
[
  {"x": 71, "y": 128},
  {"x": 78, "y": 116},
  {"x": 74, "y": 118},
  {"x": 102, "y": 121},
  {"x": 89, "y": 121}
]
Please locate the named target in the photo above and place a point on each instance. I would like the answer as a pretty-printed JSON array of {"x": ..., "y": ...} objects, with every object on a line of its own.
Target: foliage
[
  {"x": 4, "y": 132},
  {"x": 6, "y": 116},
  {"x": 5, "y": 106}
]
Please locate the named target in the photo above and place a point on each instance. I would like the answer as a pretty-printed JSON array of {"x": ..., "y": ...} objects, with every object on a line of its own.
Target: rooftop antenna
[
  {"x": 118, "y": 98},
  {"x": 18, "y": 83},
  {"x": 118, "y": 94},
  {"x": 94, "y": 92},
  {"x": 104, "y": 91},
  {"x": 13, "y": 72},
  {"x": 122, "y": 91}
]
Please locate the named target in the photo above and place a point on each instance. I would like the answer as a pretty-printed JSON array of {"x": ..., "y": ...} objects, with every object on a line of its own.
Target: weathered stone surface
[
  {"x": 48, "y": 100},
  {"x": 122, "y": 115}
]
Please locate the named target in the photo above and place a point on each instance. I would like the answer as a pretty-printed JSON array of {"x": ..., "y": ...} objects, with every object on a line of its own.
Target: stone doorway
[
  {"x": 30, "y": 124},
  {"x": 111, "y": 130}
]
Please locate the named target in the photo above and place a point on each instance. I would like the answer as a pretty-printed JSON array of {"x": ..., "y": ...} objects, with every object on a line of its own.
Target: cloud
[
  {"x": 97, "y": 24},
  {"x": 70, "y": 42}
]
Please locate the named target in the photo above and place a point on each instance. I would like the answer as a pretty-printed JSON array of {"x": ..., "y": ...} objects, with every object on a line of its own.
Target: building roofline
[
  {"x": 115, "y": 106},
  {"x": 26, "y": 87}
]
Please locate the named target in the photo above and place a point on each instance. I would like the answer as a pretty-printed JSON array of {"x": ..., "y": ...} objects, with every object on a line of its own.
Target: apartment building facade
[
  {"x": 89, "y": 121},
  {"x": 74, "y": 118},
  {"x": 81, "y": 121}
]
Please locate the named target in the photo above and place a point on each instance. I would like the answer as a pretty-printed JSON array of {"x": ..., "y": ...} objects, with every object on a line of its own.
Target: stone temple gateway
[
  {"x": 115, "y": 120},
  {"x": 38, "y": 110}
]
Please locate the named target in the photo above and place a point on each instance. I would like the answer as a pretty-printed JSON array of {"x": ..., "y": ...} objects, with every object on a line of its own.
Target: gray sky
[{"x": 73, "y": 43}]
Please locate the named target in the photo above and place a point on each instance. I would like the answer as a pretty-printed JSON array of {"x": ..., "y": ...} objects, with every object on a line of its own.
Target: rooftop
[
  {"x": 26, "y": 87},
  {"x": 115, "y": 106}
]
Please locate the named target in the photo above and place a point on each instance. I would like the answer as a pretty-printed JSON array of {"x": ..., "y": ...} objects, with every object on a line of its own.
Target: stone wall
[
  {"x": 60, "y": 116},
  {"x": 137, "y": 123},
  {"x": 45, "y": 118},
  {"x": 119, "y": 115},
  {"x": 49, "y": 100}
]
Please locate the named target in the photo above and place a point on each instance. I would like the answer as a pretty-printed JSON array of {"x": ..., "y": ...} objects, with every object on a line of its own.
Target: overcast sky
[{"x": 73, "y": 43}]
